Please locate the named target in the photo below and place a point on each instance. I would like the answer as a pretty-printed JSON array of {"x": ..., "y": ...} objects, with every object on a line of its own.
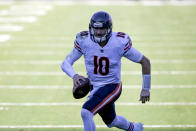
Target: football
[{"x": 81, "y": 90}]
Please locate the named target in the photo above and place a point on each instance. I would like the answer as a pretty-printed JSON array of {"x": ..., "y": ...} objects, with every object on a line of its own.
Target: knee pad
[{"x": 85, "y": 114}]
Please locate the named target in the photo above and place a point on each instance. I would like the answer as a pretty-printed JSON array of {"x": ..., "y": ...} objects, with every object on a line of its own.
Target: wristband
[{"x": 146, "y": 82}]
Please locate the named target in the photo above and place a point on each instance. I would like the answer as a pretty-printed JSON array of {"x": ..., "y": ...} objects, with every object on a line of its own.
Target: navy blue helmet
[{"x": 100, "y": 22}]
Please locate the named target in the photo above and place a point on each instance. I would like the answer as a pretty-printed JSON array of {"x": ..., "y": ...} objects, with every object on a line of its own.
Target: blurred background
[{"x": 36, "y": 36}]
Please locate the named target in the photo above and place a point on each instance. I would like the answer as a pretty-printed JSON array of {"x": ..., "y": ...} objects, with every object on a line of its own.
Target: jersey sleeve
[
  {"x": 128, "y": 50},
  {"x": 78, "y": 43},
  {"x": 133, "y": 55},
  {"x": 66, "y": 65}
]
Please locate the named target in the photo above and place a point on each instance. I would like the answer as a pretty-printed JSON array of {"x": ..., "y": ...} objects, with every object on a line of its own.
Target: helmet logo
[{"x": 98, "y": 25}]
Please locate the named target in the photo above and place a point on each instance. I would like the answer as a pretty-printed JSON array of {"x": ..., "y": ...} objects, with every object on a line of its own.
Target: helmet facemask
[{"x": 100, "y": 34}]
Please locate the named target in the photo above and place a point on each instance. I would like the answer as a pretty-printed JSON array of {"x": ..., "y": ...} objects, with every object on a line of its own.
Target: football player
[{"x": 103, "y": 50}]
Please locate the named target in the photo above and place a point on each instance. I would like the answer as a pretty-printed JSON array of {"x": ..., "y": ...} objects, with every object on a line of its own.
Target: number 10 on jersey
[{"x": 101, "y": 65}]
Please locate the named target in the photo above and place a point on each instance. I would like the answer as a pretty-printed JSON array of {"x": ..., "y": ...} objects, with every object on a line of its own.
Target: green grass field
[{"x": 30, "y": 67}]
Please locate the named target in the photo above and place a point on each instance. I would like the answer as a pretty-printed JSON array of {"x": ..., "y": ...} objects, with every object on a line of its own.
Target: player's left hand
[{"x": 144, "y": 96}]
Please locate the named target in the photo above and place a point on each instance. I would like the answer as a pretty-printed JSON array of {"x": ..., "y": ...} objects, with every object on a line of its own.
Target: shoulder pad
[
  {"x": 124, "y": 38},
  {"x": 82, "y": 35}
]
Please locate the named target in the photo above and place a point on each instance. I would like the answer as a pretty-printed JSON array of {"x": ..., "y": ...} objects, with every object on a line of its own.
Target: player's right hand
[{"x": 76, "y": 80}]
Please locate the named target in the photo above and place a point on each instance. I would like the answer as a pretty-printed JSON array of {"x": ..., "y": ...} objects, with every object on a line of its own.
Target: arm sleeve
[
  {"x": 66, "y": 65},
  {"x": 133, "y": 55}
]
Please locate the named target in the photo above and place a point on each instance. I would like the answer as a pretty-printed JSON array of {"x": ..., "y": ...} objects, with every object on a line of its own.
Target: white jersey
[{"x": 103, "y": 64}]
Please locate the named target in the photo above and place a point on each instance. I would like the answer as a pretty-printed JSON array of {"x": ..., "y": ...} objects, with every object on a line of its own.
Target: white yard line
[
  {"x": 191, "y": 72},
  {"x": 21, "y": 19},
  {"x": 33, "y": 62},
  {"x": 10, "y": 28},
  {"x": 169, "y": 126},
  {"x": 177, "y": 51},
  {"x": 117, "y": 103},
  {"x": 23, "y": 73},
  {"x": 70, "y": 87},
  {"x": 32, "y": 7},
  {"x": 4, "y": 38},
  {"x": 97, "y": 126},
  {"x": 22, "y": 13},
  {"x": 35, "y": 87},
  {"x": 57, "y": 62},
  {"x": 36, "y": 45},
  {"x": 177, "y": 61},
  {"x": 161, "y": 86}
]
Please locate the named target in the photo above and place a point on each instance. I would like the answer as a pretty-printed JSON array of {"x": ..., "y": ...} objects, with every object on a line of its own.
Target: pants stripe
[
  {"x": 108, "y": 99},
  {"x": 131, "y": 127}
]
